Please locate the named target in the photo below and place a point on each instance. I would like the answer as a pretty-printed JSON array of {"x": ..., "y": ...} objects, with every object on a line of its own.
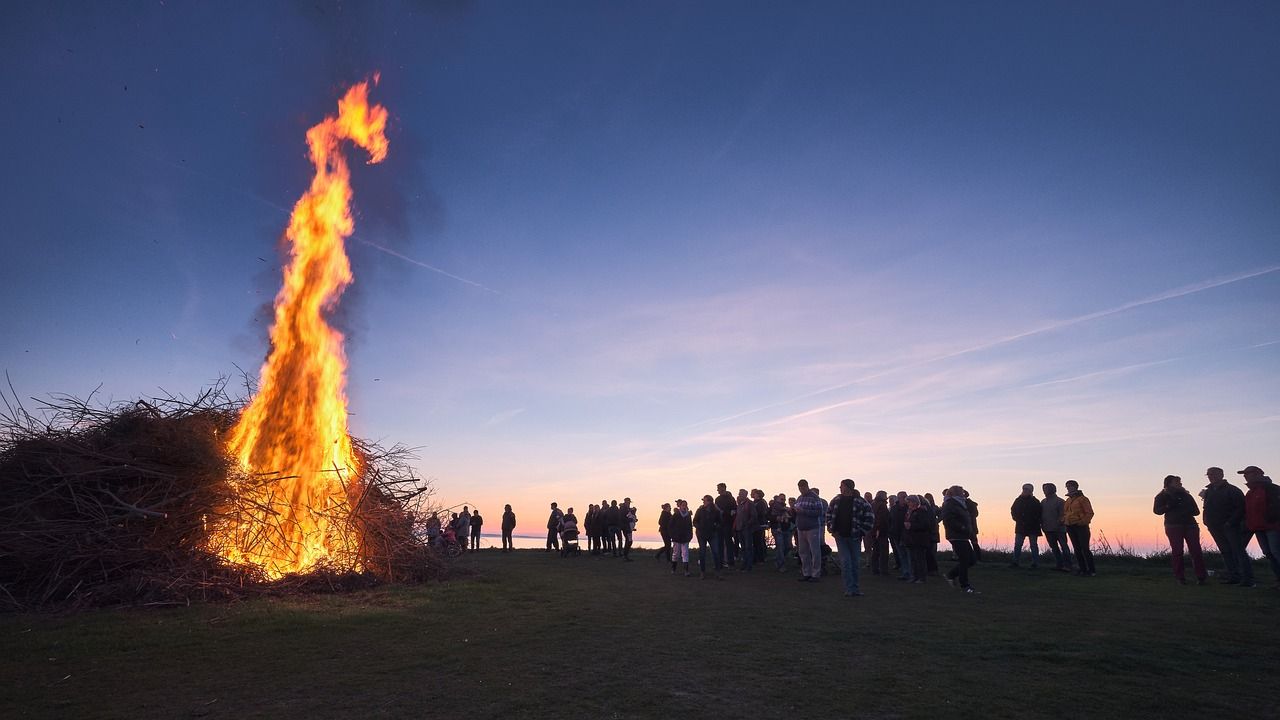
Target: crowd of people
[{"x": 899, "y": 534}]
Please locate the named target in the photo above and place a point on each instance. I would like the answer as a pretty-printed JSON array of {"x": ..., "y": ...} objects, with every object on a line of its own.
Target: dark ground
[{"x": 535, "y": 636}]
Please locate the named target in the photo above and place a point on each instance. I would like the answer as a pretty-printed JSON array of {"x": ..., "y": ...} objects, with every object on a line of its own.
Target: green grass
[{"x": 535, "y": 636}]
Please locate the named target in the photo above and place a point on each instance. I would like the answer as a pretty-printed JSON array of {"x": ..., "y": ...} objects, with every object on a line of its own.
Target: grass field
[{"x": 535, "y": 636}]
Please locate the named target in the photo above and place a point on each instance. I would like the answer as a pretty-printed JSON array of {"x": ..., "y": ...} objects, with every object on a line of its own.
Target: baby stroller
[{"x": 569, "y": 540}]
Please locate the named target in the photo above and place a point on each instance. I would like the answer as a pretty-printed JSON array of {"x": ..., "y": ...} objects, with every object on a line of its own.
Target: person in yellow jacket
[{"x": 1077, "y": 513}]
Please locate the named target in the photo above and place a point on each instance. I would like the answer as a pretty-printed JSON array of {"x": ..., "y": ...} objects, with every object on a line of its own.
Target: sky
[{"x": 637, "y": 249}]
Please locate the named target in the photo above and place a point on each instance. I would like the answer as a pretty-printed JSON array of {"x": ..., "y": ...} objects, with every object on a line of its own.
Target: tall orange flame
[{"x": 293, "y": 435}]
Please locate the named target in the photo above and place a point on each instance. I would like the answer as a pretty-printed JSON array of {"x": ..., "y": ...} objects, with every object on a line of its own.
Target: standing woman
[
  {"x": 1179, "y": 510},
  {"x": 664, "y": 529},
  {"x": 508, "y": 525},
  {"x": 681, "y": 535},
  {"x": 958, "y": 524},
  {"x": 918, "y": 527}
]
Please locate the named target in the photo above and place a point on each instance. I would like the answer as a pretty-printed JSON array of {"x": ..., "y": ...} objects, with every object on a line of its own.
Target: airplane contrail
[{"x": 432, "y": 268}]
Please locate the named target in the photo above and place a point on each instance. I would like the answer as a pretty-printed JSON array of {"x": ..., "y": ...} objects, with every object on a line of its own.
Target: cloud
[{"x": 503, "y": 417}]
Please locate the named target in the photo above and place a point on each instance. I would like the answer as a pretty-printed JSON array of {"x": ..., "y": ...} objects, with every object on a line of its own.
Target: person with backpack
[
  {"x": 1180, "y": 526},
  {"x": 849, "y": 519}
]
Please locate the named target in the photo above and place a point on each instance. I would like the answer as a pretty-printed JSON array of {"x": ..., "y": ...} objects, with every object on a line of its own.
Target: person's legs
[
  {"x": 1017, "y": 549},
  {"x": 748, "y": 552},
  {"x": 1194, "y": 550},
  {"x": 919, "y": 566},
  {"x": 931, "y": 557},
  {"x": 1035, "y": 550},
  {"x": 626, "y": 546},
  {"x": 1226, "y": 548},
  {"x": 850, "y": 563},
  {"x": 964, "y": 558},
  {"x": 1239, "y": 541},
  {"x": 781, "y": 548},
  {"x": 1269, "y": 542},
  {"x": 811, "y": 544},
  {"x": 1175, "y": 535}
]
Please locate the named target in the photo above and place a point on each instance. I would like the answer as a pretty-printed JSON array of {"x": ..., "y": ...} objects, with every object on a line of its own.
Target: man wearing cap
[
  {"x": 1026, "y": 525},
  {"x": 1224, "y": 519},
  {"x": 1077, "y": 513},
  {"x": 1262, "y": 514}
]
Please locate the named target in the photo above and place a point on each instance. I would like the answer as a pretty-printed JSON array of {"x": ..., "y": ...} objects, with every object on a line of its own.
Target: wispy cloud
[
  {"x": 432, "y": 268},
  {"x": 503, "y": 417}
]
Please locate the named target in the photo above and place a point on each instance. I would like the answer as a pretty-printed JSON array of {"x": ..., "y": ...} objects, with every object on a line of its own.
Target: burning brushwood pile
[
  {"x": 120, "y": 505},
  {"x": 172, "y": 500}
]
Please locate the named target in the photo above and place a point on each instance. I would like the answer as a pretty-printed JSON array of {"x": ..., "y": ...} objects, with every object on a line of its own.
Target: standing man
[
  {"x": 897, "y": 526},
  {"x": 1180, "y": 526},
  {"x": 811, "y": 515},
  {"x": 1077, "y": 513},
  {"x": 613, "y": 526},
  {"x": 508, "y": 526},
  {"x": 728, "y": 509},
  {"x": 744, "y": 526},
  {"x": 1224, "y": 518},
  {"x": 476, "y": 523},
  {"x": 628, "y": 527},
  {"x": 1055, "y": 532},
  {"x": 958, "y": 524},
  {"x": 553, "y": 528},
  {"x": 664, "y": 529},
  {"x": 880, "y": 534},
  {"x": 706, "y": 522},
  {"x": 1026, "y": 512},
  {"x": 780, "y": 524},
  {"x": 681, "y": 527},
  {"x": 1262, "y": 514},
  {"x": 762, "y": 525},
  {"x": 464, "y": 527},
  {"x": 850, "y": 518}
]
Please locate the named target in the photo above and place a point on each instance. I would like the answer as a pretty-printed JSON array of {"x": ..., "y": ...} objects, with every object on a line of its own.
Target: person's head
[
  {"x": 802, "y": 485},
  {"x": 882, "y": 496},
  {"x": 902, "y": 496},
  {"x": 847, "y": 487},
  {"x": 814, "y": 490},
  {"x": 667, "y": 506},
  {"x": 570, "y": 511},
  {"x": 707, "y": 500},
  {"x": 613, "y": 504},
  {"x": 929, "y": 497},
  {"x": 913, "y": 502},
  {"x": 682, "y": 506},
  {"x": 1252, "y": 474},
  {"x": 868, "y": 496},
  {"x": 453, "y": 516},
  {"x": 1172, "y": 482},
  {"x": 626, "y": 501},
  {"x": 721, "y": 487},
  {"x": 791, "y": 502},
  {"x": 1049, "y": 489},
  {"x": 464, "y": 508},
  {"x": 1215, "y": 475},
  {"x": 554, "y": 506},
  {"x": 506, "y": 507},
  {"x": 1072, "y": 485},
  {"x": 742, "y": 494},
  {"x": 958, "y": 492},
  {"x": 1028, "y": 489}
]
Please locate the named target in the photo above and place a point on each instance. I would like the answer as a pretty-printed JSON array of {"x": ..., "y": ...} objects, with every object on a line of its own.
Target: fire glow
[{"x": 292, "y": 438}]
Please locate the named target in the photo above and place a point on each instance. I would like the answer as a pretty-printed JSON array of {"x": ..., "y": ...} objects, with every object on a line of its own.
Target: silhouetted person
[
  {"x": 811, "y": 516},
  {"x": 1077, "y": 513},
  {"x": 664, "y": 530},
  {"x": 957, "y": 522},
  {"x": 1262, "y": 514},
  {"x": 1026, "y": 515},
  {"x": 1055, "y": 530},
  {"x": 681, "y": 535},
  {"x": 1224, "y": 519},
  {"x": 476, "y": 523},
  {"x": 706, "y": 522},
  {"x": 918, "y": 527},
  {"x": 728, "y": 509},
  {"x": 1179, "y": 510},
  {"x": 508, "y": 526},
  {"x": 880, "y": 534},
  {"x": 553, "y": 528}
]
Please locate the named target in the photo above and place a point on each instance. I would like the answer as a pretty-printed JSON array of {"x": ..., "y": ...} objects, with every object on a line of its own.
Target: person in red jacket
[{"x": 1262, "y": 514}]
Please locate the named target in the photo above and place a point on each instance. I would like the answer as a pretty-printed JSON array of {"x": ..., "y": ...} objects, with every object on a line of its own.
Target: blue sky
[{"x": 641, "y": 248}]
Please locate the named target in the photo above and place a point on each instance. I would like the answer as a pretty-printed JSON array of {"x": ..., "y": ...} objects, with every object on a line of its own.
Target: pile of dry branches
[{"x": 107, "y": 505}]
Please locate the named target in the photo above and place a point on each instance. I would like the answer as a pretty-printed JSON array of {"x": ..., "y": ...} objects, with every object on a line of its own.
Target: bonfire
[{"x": 169, "y": 499}]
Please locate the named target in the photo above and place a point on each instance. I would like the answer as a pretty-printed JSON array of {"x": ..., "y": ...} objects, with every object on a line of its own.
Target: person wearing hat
[
  {"x": 1026, "y": 524},
  {"x": 1180, "y": 526},
  {"x": 664, "y": 529},
  {"x": 1224, "y": 519},
  {"x": 1077, "y": 513},
  {"x": 1262, "y": 514},
  {"x": 681, "y": 535}
]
